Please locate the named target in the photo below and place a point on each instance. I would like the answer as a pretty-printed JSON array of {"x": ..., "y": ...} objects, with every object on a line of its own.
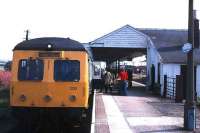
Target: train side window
[
  {"x": 67, "y": 70},
  {"x": 30, "y": 69}
]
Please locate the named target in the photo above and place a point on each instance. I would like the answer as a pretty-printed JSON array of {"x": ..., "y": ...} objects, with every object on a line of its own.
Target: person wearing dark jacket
[{"x": 130, "y": 78}]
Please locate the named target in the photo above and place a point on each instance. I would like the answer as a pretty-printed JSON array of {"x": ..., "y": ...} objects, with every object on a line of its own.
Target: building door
[
  {"x": 158, "y": 73},
  {"x": 152, "y": 75},
  {"x": 184, "y": 74}
]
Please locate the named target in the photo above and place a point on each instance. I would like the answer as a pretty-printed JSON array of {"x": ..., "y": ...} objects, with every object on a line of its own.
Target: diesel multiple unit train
[{"x": 51, "y": 75}]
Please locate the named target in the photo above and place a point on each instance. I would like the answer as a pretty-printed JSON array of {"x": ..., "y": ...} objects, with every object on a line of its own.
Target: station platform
[{"x": 139, "y": 112}]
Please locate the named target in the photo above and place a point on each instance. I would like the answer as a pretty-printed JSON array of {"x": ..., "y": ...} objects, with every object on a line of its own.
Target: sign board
[
  {"x": 187, "y": 47},
  {"x": 49, "y": 54}
]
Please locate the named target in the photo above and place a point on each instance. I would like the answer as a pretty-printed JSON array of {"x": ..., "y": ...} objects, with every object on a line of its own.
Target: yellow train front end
[
  {"x": 50, "y": 75},
  {"x": 42, "y": 81}
]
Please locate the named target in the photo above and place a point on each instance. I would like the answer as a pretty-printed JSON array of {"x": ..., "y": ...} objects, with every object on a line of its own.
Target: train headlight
[
  {"x": 47, "y": 98},
  {"x": 49, "y": 46},
  {"x": 72, "y": 98},
  {"x": 22, "y": 98}
]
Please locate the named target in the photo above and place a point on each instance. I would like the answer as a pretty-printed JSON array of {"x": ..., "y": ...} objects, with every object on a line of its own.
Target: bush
[
  {"x": 198, "y": 101},
  {"x": 7, "y": 66},
  {"x": 5, "y": 77},
  {"x": 4, "y": 98}
]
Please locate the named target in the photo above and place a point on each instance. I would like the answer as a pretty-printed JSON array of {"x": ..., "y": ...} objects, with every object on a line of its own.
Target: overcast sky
[{"x": 84, "y": 20}]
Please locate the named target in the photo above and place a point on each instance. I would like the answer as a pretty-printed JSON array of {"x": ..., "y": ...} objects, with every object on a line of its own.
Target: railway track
[
  {"x": 48, "y": 123},
  {"x": 51, "y": 128},
  {"x": 52, "y": 123}
]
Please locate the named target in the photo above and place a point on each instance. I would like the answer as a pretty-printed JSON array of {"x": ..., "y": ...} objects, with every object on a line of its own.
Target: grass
[{"x": 198, "y": 101}]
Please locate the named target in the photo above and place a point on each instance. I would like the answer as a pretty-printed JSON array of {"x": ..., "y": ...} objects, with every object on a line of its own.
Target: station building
[{"x": 161, "y": 47}]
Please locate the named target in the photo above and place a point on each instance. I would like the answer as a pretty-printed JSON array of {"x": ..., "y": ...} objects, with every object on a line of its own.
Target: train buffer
[{"x": 138, "y": 112}]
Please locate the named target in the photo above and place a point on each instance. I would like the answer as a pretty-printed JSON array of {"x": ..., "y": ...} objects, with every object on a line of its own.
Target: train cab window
[
  {"x": 67, "y": 70},
  {"x": 30, "y": 69}
]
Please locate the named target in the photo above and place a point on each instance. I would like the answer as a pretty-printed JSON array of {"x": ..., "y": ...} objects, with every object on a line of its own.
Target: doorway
[{"x": 184, "y": 75}]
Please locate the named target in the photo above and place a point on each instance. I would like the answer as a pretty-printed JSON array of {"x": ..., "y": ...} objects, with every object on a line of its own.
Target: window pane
[
  {"x": 67, "y": 70},
  {"x": 30, "y": 69}
]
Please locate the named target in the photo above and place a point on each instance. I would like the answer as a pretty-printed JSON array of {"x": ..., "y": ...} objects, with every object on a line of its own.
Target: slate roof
[
  {"x": 178, "y": 57},
  {"x": 169, "y": 44},
  {"x": 58, "y": 44},
  {"x": 166, "y": 38}
]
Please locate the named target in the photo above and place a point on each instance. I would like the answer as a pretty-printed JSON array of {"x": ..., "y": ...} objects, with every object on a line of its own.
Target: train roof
[{"x": 57, "y": 44}]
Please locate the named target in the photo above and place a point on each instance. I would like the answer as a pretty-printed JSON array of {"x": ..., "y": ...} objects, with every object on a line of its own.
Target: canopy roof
[
  {"x": 123, "y": 43},
  {"x": 112, "y": 54}
]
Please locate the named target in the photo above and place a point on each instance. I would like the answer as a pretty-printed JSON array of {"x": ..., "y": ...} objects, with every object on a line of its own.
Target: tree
[{"x": 7, "y": 66}]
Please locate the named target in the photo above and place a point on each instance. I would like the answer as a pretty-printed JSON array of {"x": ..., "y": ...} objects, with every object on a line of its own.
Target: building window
[
  {"x": 67, "y": 70},
  {"x": 30, "y": 69}
]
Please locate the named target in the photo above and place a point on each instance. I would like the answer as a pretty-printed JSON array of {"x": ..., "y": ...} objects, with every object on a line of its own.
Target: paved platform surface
[{"x": 139, "y": 112}]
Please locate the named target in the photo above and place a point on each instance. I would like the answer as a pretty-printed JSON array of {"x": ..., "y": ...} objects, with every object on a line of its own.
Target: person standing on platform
[
  {"x": 102, "y": 85},
  {"x": 130, "y": 78},
  {"x": 123, "y": 76},
  {"x": 108, "y": 81}
]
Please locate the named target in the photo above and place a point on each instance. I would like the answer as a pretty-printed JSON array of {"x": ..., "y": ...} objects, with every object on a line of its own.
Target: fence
[
  {"x": 170, "y": 83},
  {"x": 173, "y": 87}
]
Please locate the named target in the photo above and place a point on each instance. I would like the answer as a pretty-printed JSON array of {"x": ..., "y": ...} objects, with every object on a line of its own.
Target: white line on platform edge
[
  {"x": 155, "y": 121},
  {"x": 116, "y": 120},
  {"x": 137, "y": 83},
  {"x": 92, "y": 130}
]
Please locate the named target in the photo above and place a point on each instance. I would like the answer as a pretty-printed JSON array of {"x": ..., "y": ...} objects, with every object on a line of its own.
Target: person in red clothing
[{"x": 123, "y": 76}]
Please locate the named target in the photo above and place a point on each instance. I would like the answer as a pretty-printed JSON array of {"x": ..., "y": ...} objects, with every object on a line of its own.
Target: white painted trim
[
  {"x": 137, "y": 83},
  {"x": 115, "y": 118},
  {"x": 116, "y": 31},
  {"x": 92, "y": 130}
]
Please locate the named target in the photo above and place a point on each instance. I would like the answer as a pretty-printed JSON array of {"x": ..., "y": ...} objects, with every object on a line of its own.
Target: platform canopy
[{"x": 123, "y": 43}]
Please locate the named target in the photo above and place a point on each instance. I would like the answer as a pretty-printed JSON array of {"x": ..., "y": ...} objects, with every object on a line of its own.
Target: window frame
[
  {"x": 27, "y": 79},
  {"x": 67, "y": 80}
]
